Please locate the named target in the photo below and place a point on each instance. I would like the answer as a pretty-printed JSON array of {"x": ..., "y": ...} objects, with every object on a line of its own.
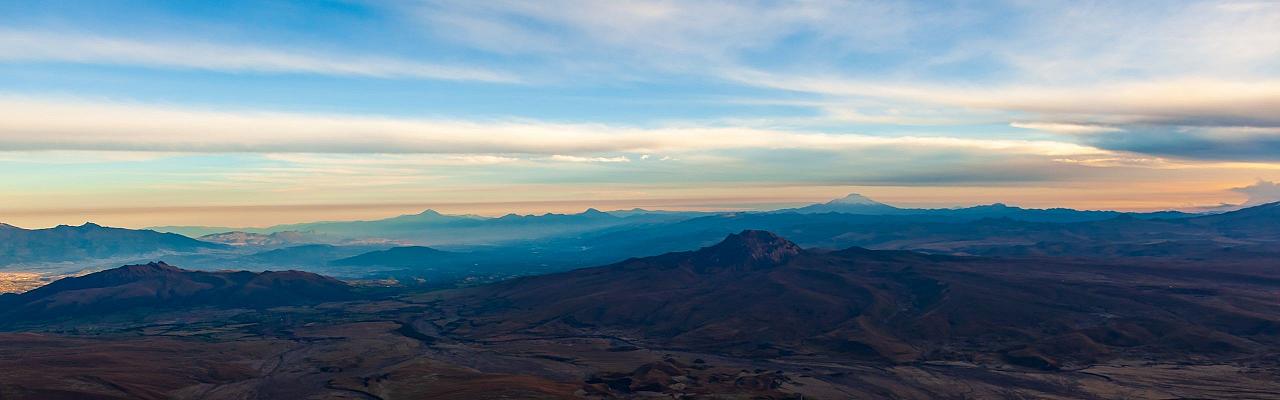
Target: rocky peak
[{"x": 750, "y": 248}]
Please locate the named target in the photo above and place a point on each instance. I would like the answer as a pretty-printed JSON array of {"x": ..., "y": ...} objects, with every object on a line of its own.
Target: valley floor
[{"x": 393, "y": 350}]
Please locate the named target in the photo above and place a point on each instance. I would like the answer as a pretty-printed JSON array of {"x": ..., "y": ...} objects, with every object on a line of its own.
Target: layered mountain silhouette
[
  {"x": 520, "y": 245},
  {"x": 1255, "y": 227},
  {"x": 857, "y": 204},
  {"x": 758, "y": 295},
  {"x": 63, "y": 243},
  {"x": 407, "y": 256},
  {"x": 432, "y": 227},
  {"x": 161, "y": 286},
  {"x": 1250, "y": 223},
  {"x": 307, "y": 254}
]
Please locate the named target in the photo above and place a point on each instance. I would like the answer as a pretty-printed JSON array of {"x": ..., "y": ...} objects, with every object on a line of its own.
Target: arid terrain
[{"x": 755, "y": 316}]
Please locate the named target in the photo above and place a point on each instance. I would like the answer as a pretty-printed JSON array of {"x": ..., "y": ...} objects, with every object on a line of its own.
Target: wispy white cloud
[
  {"x": 1068, "y": 68},
  {"x": 80, "y": 156},
  {"x": 661, "y": 30},
  {"x": 1065, "y": 127},
  {"x": 1205, "y": 101},
  {"x": 415, "y": 160},
  {"x": 90, "y": 49},
  {"x": 1073, "y": 42},
  {"x": 580, "y": 159},
  {"x": 33, "y": 124}
]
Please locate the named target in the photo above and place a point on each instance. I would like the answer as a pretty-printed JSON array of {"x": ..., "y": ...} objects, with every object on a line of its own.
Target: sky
[{"x": 243, "y": 113}]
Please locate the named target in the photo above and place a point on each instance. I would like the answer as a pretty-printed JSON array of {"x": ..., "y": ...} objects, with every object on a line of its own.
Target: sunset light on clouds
[{"x": 251, "y": 114}]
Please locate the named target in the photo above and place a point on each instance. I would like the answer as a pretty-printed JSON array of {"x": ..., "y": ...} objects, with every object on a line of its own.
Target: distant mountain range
[
  {"x": 433, "y": 228},
  {"x": 70, "y": 243},
  {"x": 858, "y": 204},
  {"x": 1257, "y": 228},
  {"x": 514, "y": 245}
]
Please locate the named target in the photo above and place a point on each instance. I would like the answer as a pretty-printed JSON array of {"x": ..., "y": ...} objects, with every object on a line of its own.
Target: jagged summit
[
  {"x": 749, "y": 249},
  {"x": 86, "y": 225},
  {"x": 993, "y": 206},
  {"x": 156, "y": 266},
  {"x": 757, "y": 244}
]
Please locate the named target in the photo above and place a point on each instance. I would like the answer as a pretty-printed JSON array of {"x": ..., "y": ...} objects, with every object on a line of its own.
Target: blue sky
[{"x": 113, "y": 111}]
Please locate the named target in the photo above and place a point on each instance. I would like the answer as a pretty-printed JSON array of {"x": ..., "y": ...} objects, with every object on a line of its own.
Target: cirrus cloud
[
  {"x": 91, "y": 49},
  {"x": 30, "y": 124}
]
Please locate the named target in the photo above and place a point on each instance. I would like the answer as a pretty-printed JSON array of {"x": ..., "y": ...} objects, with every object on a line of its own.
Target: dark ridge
[
  {"x": 407, "y": 256},
  {"x": 158, "y": 285}
]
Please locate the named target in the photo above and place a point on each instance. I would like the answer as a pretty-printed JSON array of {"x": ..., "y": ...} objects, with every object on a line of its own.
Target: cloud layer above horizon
[{"x": 1089, "y": 104}]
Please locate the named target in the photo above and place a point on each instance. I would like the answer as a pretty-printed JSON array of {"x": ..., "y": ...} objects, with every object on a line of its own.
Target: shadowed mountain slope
[
  {"x": 159, "y": 285},
  {"x": 758, "y": 295},
  {"x": 753, "y": 316}
]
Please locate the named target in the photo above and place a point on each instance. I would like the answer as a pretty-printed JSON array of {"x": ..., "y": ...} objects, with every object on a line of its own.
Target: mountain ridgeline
[
  {"x": 88, "y": 241},
  {"x": 444, "y": 249},
  {"x": 161, "y": 286},
  {"x": 433, "y": 228}
]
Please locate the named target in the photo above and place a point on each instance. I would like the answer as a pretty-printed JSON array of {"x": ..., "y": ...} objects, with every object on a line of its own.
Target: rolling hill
[{"x": 161, "y": 286}]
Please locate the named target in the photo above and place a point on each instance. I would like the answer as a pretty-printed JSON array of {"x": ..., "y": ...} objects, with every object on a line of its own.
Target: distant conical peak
[{"x": 854, "y": 198}]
